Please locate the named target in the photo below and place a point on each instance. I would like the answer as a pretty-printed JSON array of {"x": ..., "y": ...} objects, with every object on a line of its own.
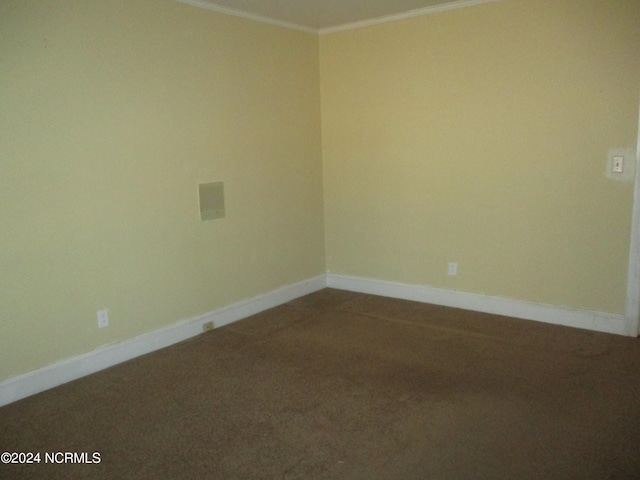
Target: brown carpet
[{"x": 339, "y": 385}]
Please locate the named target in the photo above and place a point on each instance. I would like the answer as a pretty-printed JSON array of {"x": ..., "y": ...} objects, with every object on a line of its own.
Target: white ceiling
[{"x": 327, "y": 15}]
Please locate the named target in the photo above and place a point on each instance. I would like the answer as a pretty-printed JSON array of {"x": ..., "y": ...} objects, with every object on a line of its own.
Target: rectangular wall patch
[{"x": 211, "y": 197}]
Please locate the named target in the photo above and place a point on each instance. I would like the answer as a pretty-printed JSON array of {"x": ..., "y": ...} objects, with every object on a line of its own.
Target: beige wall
[
  {"x": 112, "y": 113},
  {"x": 477, "y": 135},
  {"x": 481, "y": 136}
]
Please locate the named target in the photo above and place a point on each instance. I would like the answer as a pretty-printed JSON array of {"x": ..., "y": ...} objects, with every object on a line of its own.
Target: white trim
[
  {"x": 401, "y": 16},
  {"x": 571, "y": 317},
  {"x": 64, "y": 371},
  {"x": 246, "y": 15},
  {"x": 633, "y": 273},
  {"x": 338, "y": 28}
]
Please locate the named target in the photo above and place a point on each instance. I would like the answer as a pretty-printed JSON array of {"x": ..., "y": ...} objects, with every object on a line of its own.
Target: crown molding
[
  {"x": 401, "y": 16},
  {"x": 338, "y": 28},
  {"x": 248, "y": 16}
]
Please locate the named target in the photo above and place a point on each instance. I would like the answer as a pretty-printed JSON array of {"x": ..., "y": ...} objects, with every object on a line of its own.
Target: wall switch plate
[
  {"x": 103, "y": 318},
  {"x": 621, "y": 164},
  {"x": 617, "y": 165}
]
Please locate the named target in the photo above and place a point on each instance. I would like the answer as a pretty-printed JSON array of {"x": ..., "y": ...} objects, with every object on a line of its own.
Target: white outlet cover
[
  {"x": 453, "y": 268},
  {"x": 103, "y": 318}
]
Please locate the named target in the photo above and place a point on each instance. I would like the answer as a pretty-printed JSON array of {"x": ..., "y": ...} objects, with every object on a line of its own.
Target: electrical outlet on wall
[
  {"x": 206, "y": 326},
  {"x": 103, "y": 318},
  {"x": 453, "y": 269}
]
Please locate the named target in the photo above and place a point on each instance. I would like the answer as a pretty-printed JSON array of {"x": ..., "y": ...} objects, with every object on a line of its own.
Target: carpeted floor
[{"x": 339, "y": 385}]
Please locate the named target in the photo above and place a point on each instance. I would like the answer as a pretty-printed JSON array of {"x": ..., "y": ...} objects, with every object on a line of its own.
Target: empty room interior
[{"x": 459, "y": 173}]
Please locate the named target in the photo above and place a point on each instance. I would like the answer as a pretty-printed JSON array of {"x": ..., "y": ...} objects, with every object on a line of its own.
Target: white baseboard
[
  {"x": 570, "y": 317},
  {"x": 64, "y": 371}
]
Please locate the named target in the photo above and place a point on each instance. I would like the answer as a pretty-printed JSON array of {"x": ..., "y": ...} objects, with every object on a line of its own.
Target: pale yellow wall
[
  {"x": 111, "y": 113},
  {"x": 477, "y": 135},
  {"x": 480, "y": 135}
]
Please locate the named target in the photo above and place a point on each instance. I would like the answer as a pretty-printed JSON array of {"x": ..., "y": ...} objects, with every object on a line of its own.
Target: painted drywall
[
  {"x": 112, "y": 113},
  {"x": 480, "y": 136}
]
